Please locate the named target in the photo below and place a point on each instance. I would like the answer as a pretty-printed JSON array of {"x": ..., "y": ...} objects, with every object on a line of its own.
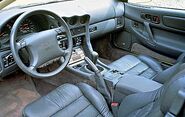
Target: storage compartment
[{"x": 130, "y": 84}]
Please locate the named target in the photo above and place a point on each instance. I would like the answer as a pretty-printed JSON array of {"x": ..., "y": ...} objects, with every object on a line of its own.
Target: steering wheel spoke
[
  {"x": 32, "y": 68},
  {"x": 20, "y": 45},
  {"x": 65, "y": 52}
]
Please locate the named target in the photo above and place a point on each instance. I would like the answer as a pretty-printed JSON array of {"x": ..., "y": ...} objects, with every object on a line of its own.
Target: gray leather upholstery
[
  {"x": 84, "y": 101},
  {"x": 142, "y": 65},
  {"x": 155, "y": 103},
  {"x": 68, "y": 101}
]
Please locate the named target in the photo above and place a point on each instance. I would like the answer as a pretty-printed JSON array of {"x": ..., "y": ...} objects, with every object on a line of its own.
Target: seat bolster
[
  {"x": 152, "y": 63},
  {"x": 96, "y": 99}
]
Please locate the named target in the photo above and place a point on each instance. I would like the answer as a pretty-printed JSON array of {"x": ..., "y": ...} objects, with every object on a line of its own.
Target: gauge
[
  {"x": 5, "y": 33},
  {"x": 83, "y": 20},
  {"x": 73, "y": 20},
  {"x": 27, "y": 27}
]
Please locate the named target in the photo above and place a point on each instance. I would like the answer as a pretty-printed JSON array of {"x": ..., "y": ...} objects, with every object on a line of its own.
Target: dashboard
[{"x": 87, "y": 20}]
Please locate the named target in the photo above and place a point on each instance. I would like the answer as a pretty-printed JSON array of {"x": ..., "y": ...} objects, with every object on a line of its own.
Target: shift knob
[{"x": 94, "y": 57}]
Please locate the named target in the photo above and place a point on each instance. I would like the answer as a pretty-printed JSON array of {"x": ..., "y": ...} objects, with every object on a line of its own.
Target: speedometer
[{"x": 27, "y": 27}]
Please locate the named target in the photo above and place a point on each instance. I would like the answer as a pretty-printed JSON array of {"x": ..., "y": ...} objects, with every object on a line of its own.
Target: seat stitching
[
  {"x": 82, "y": 110},
  {"x": 52, "y": 101},
  {"x": 144, "y": 71},
  {"x": 92, "y": 104},
  {"x": 134, "y": 67},
  {"x": 74, "y": 101}
]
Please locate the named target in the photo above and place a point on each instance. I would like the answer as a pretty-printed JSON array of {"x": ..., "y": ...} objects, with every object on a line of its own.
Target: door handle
[{"x": 151, "y": 39}]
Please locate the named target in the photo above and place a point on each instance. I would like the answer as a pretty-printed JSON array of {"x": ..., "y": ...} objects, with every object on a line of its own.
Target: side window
[{"x": 175, "y": 4}]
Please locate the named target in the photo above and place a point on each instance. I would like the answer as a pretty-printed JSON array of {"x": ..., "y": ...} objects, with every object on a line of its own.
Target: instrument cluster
[{"x": 28, "y": 26}]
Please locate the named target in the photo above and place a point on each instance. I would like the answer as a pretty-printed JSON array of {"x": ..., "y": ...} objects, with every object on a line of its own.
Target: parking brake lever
[{"x": 100, "y": 83}]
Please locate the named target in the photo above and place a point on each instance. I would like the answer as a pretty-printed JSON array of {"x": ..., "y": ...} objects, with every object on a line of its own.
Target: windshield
[{"x": 15, "y": 3}]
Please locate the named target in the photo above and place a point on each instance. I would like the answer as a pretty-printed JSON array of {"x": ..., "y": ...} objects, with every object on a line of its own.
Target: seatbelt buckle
[{"x": 115, "y": 106}]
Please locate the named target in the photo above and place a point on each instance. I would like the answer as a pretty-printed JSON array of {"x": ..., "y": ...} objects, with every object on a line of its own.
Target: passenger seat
[{"x": 141, "y": 65}]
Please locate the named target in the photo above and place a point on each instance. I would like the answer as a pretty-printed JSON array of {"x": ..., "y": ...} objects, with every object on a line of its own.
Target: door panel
[
  {"x": 179, "y": 22},
  {"x": 161, "y": 30}
]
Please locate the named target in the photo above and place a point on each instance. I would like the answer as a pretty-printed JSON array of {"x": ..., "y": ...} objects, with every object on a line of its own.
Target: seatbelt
[{"x": 177, "y": 104}]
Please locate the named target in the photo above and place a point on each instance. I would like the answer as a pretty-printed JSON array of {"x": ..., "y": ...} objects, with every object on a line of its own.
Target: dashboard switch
[
  {"x": 8, "y": 60},
  {"x": 156, "y": 19}
]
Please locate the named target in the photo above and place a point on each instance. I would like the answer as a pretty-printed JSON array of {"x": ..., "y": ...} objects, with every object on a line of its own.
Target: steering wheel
[{"x": 42, "y": 46}]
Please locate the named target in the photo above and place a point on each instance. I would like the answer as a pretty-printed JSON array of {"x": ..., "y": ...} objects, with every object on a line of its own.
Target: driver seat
[
  {"x": 84, "y": 101},
  {"x": 70, "y": 101}
]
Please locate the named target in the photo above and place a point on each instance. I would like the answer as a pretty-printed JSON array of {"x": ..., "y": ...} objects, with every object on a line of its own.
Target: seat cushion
[
  {"x": 141, "y": 65},
  {"x": 68, "y": 101}
]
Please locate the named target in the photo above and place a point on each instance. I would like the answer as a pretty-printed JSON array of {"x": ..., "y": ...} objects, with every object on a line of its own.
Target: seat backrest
[
  {"x": 155, "y": 103},
  {"x": 168, "y": 73},
  {"x": 171, "y": 88}
]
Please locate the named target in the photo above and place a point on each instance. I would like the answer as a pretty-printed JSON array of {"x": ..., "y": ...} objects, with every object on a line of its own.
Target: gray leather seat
[
  {"x": 142, "y": 65},
  {"x": 84, "y": 101},
  {"x": 155, "y": 103},
  {"x": 69, "y": 101}
]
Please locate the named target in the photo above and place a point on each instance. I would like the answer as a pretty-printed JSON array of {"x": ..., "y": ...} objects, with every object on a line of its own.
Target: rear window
[{"x": 175, "y": 4}]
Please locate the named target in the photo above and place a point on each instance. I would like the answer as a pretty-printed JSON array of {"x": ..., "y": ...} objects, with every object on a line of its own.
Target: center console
[
  {"x": 119, "y": 83},
  {"x": 126, "y": 84},
  {"x": 79, "y": 26}
]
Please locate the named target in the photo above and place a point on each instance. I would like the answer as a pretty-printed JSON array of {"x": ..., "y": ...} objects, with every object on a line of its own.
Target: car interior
[{"x": 92, "y": 58}]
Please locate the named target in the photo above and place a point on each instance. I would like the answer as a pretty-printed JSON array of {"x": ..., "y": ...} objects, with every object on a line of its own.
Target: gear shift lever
[
  {"x": 94, "y": 57},
  {"x": 100, "y": 83}
]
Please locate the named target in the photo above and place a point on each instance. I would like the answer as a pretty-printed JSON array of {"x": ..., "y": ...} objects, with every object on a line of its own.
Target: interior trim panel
[
  {"x": 179, "y": 22},
  {"x": 159, "y": 29}
]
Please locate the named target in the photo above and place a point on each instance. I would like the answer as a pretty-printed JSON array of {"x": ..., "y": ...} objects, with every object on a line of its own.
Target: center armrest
[{"x": 130, "y": 84}]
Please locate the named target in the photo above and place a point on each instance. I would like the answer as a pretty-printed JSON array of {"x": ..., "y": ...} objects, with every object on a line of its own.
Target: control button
[
  {"x": 121, "y": 73},
  {"x": 23, "y": 44},
  {"x": 58, "y": 31},
  {"x": 93, "y": 29},
  {"x": 156, "y": 19},
  {"x": 8, "y": 60},
  {"x": 148, "y": 17},
  {"x": 152, "y": 18},
  {"x": 115, "y": 71}
]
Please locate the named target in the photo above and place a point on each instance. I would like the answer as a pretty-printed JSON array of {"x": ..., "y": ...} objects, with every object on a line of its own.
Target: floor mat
[
  {"x": 15, "y": 92},
  {"x": 44, "y": 86}
]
